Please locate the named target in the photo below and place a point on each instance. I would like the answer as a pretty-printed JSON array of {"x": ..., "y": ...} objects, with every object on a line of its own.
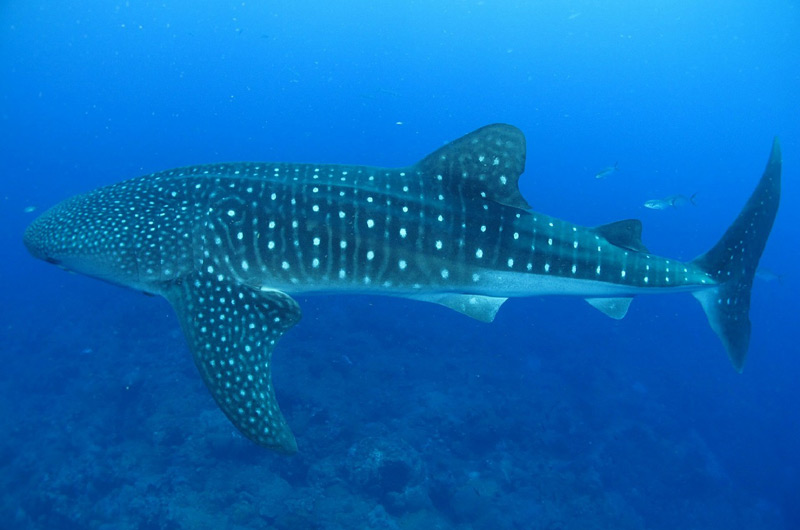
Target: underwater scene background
[{"x": 407, "y": 415}]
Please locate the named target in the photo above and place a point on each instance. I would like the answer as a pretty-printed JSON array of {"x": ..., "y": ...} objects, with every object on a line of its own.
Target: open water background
[{"x": 407, "y": 415}]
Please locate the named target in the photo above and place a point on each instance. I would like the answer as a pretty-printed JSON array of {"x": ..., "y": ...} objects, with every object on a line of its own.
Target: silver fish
[
  {"x": 607, "y": 171},
  {"x": 673, "y": 201},
  {"x": 768, "y": 275}
]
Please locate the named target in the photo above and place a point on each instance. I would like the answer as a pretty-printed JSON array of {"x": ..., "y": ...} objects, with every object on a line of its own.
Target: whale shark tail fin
[{"x": 733, "y": 261}]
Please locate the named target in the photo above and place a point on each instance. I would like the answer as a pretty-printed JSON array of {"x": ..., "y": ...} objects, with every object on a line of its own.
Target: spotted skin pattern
[
  {"x": 232, "y": 329},
  {"x": 227, "y": 244}
]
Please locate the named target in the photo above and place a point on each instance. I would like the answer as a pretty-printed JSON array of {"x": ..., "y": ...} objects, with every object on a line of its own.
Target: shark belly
[{"x": 514, "y": 284}]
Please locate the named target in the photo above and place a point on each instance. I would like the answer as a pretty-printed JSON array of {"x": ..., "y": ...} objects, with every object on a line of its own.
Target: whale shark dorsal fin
[
  {"x": 479, "y": 307},
  {"x": 486, "y": 163},
  {"x": 231, "y": 330},
  {"x": 625, "y": 234},
  {"x": 615, "y": 308}
]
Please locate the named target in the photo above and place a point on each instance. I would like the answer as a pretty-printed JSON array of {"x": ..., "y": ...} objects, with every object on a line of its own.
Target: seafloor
[{"x": 406, "y": 415}]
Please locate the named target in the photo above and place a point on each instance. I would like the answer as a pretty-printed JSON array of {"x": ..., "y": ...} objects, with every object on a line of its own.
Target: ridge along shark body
[{"x": 227, "y": 245}]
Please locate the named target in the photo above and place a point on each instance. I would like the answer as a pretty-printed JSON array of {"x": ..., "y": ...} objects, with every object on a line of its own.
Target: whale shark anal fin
[{"x": 615, "y": 308}]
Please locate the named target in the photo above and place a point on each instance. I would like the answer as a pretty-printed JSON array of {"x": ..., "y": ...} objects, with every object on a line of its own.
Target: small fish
[
  {"x": 607, "y": 171},
  {"x": 29, "y": 209},
  {"x": 673, "y": 201},
  {"x": 768, "y": 275}
]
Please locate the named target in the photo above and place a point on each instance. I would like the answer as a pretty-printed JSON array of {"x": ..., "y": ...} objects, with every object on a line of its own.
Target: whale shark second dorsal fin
[
  {"x": 624, "y": 234},
  {"x": 486, "y": 164}
]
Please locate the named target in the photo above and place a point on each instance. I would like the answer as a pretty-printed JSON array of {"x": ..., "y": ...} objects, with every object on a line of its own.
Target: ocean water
[{"x": 407, "y": 415}]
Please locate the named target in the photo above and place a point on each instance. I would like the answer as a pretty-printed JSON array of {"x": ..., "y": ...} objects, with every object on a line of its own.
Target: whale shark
[{"x": 229, "y": 244}]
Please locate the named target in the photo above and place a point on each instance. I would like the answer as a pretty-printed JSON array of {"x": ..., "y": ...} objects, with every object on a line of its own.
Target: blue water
[{"x": 407, "y": 415}]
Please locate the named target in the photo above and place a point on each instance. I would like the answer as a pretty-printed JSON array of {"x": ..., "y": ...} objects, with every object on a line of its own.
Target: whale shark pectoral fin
[
  {"x": 483, "y": 308},
  {"x": 231, "y": 330},
  {"x": 616, "y": 308}
]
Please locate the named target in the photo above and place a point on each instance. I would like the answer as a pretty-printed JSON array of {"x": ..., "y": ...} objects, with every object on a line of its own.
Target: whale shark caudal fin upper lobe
[
  {"x": 231, "y": 330},
  {"x": 733, "y": 261}
]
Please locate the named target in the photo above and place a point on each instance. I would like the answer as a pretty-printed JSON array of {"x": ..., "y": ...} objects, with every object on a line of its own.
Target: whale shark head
[
  {"x": 76, "y": 235},
  {"x": 117, "y": 234}
]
